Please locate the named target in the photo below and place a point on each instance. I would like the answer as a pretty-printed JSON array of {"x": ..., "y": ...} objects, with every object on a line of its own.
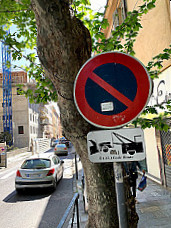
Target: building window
[
  {"x": 115, "y": 20},
  {"x": 119, "y": 15},
  {"x": 20, "y": 130},
  {"x": 30, "y": 129},
  {"x": 121, "y": 12}
]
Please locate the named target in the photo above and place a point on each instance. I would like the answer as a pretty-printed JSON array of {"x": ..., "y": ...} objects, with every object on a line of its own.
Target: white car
[
  {"x": 39, "y": 171},
  {"x": 61, "y": 149}
]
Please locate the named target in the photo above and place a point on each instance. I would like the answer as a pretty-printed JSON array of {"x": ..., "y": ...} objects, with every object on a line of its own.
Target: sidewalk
[
  {"x": 154, "y": 207},
  {"x": 15, "y": 156},
  {"x": 78, "y": 188},
  {"x": 18, "y": 156}
]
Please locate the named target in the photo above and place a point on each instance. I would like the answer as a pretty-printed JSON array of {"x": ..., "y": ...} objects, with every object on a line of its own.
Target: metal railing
[
  {"x": 73, "y": 204},
  {"x": 41, "y": 145}
]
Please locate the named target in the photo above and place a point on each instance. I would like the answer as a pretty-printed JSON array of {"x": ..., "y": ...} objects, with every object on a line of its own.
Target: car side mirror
[{"x": 62, "y": 162}]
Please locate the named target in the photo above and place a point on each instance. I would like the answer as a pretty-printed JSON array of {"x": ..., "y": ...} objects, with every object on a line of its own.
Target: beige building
[
  {"x": 155, "y": 35},
  {"x": 152, "y": 39},
  {"x": 27, "y": 118},
  {"x": 20, "y": 110},
  {"x": 57, "y": 130},
  {"x": 49, "y": 121}
]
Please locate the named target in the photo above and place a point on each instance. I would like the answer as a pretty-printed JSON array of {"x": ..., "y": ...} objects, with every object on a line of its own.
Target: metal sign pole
[{"x": 119, "y": 185}]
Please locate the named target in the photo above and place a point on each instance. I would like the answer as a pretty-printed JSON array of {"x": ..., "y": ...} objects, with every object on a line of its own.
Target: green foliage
[
  {"x": 44, "y": 91},
  {"x": 159, "y": 123},
  {"x": 155, "y": 66},
  {"x": 128, "y": 31},
  {"x": 19, "y": 13},
  {"x": 6, "y": 137},
  {"x": 94, "y": 21},
  {"x": 24, "y": 37}
]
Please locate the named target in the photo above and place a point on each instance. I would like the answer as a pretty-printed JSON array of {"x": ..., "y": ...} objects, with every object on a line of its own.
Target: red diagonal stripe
[{"x": 115, "y": 93}]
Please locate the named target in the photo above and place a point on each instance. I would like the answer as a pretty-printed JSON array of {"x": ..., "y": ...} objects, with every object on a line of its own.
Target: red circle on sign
[{"x": 134, "y": 108}]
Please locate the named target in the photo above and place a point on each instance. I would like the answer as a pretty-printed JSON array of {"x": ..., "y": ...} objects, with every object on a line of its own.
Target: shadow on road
[
  {"x": 27, "y": 195},
  {"x": 33, "y": 194},
  {"x": 57, "y": 204}
]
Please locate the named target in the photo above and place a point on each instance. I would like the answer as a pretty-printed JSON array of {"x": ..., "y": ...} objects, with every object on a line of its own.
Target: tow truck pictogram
[{"x": 128, "y": 146}]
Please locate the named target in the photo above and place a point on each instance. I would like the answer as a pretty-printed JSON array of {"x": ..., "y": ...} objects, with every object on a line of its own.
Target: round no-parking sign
[{"x": 111, "y": 89}]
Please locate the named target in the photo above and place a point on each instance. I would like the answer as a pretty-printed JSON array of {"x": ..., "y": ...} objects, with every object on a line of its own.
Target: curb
[{"x": 13, "y": 153}]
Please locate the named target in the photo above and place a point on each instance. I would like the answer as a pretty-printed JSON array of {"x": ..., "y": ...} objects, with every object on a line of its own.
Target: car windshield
[
  {"x": 60, "y": 145},
  {"x": 39, "y": 163}
]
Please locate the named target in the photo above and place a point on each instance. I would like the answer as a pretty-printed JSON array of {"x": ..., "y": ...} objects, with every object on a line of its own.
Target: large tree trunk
[
  {"x": 64, "y": 44},
  {"x": 100, "y": 190}
]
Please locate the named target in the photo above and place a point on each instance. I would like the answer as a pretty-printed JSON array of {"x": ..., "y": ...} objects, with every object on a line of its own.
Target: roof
[{"x": 41, "y": 155}]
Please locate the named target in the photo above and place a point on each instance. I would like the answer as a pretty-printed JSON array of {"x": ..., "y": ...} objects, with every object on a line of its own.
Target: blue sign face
[{"x": 120, "y": 78}]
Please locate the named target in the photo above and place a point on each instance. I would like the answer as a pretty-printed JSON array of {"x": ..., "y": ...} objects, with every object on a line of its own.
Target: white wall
[
  {"x": 151, "y": 152},
  {"x": 162, "y": 88}
]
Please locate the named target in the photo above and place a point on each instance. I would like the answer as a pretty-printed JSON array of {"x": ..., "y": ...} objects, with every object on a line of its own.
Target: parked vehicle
[
  {"x": 61, "y": 149},
  {"x": 63, "y": 140},
  {"x": 54, "y": 142},
  {"x": 39, "y": 171}
]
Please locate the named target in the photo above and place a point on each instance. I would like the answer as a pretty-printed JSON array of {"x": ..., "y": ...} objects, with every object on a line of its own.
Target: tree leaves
[
  {"x": 154, "y": 67},
  {"x": 24, "y": 36}
]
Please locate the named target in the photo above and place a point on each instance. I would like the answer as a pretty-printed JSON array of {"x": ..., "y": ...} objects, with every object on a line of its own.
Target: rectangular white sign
[
  {"x": 125, "y": 144},
  {"x": 107, "y": 106}
]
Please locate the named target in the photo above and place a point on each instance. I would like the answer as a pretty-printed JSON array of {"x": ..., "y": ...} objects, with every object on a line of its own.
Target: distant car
[
  {"x": 62, "y": 138},
  {"x": 54, "y": 142},
  {"x": 39, "y": 171},
  {"x": 105, "y": 146},
  {"x": 65, "y": 141},
  {"x": 61, "y": 149}
]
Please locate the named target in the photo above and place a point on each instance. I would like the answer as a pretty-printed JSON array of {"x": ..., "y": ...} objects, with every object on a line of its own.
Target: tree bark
[{"x": 64, "y": 45}]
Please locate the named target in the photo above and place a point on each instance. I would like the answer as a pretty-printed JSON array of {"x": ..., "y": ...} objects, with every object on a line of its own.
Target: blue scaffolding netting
[{"x": 7, "y": 89}]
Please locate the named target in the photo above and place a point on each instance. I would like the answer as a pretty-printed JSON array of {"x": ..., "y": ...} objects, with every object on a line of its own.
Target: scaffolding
[{"x": 7, "y": 89}]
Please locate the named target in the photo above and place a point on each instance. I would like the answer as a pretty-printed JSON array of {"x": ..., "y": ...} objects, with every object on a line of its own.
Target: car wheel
[
  {"x": 54, "y": 184},
  {"x": 105, "y": 149},
  {"x": 61, "y": 176}
]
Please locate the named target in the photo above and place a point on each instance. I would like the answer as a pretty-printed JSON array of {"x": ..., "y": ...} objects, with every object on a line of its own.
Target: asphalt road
[{"x": 34, "y": 208}]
